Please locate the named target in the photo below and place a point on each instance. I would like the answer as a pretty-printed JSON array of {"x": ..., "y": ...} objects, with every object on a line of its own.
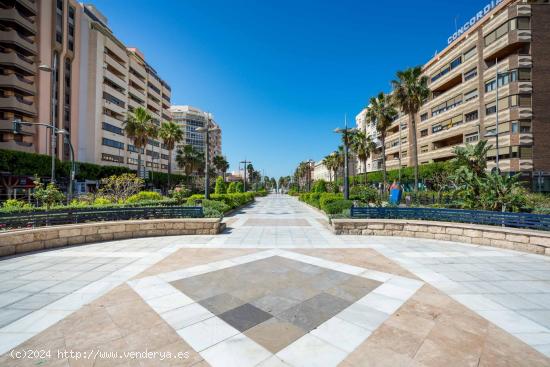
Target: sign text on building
[{"x": 469, "y": 24}]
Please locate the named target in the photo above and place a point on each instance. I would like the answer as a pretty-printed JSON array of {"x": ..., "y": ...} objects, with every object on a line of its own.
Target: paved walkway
[{"x": 278, "y": 270}]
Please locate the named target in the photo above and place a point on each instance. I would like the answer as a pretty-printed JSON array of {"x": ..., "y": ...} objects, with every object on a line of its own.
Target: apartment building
[
  {"x": 511, "y": 36},
  {"x": 369, "y": 128},
  {"x": 117, "y": 80},
  {"x": 65, "y": 49},
  {"x": 190, "y": 118}
]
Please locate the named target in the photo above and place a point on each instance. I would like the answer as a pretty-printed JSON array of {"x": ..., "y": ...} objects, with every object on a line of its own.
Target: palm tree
[
  {"x": 139, "y": 127},
  {"x": 190, "y": 160},
  {"x": 328, "y": 162},
  {"x": 171, "y": 134},
  {"x": 382, "y": 113},
  {"x": 221, "y": 164},
  {"x": 362, "y": 145},
  {"x": 410, "y": 92}
]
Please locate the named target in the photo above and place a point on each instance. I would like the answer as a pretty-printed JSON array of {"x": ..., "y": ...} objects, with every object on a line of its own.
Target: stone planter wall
[
  {"x": 25, "y": 240},
  {"x": 537, "y": 242}
]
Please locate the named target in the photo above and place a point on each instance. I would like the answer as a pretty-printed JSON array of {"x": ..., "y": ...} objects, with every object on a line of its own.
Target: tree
[
  {"x": 239, "y": 187},
  {"x": 140, "y": 128},
  {"x": 382, "y": 113},
  {"x": 410, "y": 92},
  {"x": 48, "y": 195},
  {"x": 250, "y": 171},
  {"x": 171, "y": 134},
  {"x": 121, "y": 187},
  {"x": 220, "y": 186},
  {"x": 362, "y": 145},
  {"x": 221, "y": 164},
  {"x": 232, "y": 188},
  {"x": 190, "y": 160}
]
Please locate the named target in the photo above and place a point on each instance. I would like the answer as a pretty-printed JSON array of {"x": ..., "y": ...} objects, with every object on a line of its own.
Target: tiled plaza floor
[{"x": 277, "y": 289}]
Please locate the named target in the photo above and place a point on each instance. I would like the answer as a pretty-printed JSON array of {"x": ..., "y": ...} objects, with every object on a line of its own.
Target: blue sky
[{"x": 279, "y": 76}]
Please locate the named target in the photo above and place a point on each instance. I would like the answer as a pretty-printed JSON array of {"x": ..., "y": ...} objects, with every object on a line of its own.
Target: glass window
[
  {"x": 424, "y": 117},
  {"x": 514, "y": 128},
  {"x": 473, "y": 94},
  {"x": 523, "y": 23},
  {"x": 470, "y": 53},
  {"x": 526, "y": 152},
  {"x": 502, "y": 30},
  {"x": 471, "y": 116},
  {"x": 524, "y": 100},
  {"x": 490, "y": 108},
  {"x": 525, "y": 126},
  {"x": 470, "y": 74},
  {"x": 424, "y": 133},
  {"x": 524, "y": 74}
]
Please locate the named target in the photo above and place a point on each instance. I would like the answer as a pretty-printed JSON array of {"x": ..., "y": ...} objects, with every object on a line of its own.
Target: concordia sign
[{"x": 469, "y": 24}]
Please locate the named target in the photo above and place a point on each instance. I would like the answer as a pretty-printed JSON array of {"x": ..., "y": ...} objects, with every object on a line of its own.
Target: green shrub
[
  {"x": 144, "y": 196},
  {"x": 365, "y": 194},
  {"x": 14, "y": 204},
  {"x": 232, "y": 188},
  {"x": 328, "y": 198},
  {"x": 221, "y": 187},
  {"x": 48, "y": 195},
  {"x": 101, "y": 201},
  {"x": 180, "y": 194},
  {"x": 215, "y": 205},
  {"x": 319, "y": 186},
  {"x": 338, "y": 206},
  {"x": 231, "y": 200},
  {"x": 239, "y": 187}
]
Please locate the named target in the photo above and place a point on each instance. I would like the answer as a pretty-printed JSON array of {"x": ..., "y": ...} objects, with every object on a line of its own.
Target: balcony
[
  {"x": 8, "y": 35},
  {"x": 13, "y": 15},
  {"x": 138, "y": 81},
  {"x": 507, "y": 44},
  {"x": 114, "y": 92},
  {"x": 30, "y": 5},
  {"x": 115, "y": 64},
  {"x": 18, "y": 60},
  {"x": 19, "y": 104},
  {"x": 18, "y": 82},
  {"x": 114, "y": 107},
  {"x": 7, "y": 125}
]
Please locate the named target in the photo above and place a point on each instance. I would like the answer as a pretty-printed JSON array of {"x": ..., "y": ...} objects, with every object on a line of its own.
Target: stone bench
[
  {"x": 537, "y": 242},
  {"x": 25, "y": 240}
]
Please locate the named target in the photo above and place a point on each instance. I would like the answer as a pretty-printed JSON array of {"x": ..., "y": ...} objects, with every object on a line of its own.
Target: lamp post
[
  {"x": 346, "y": 131},
  {"x": 17, "y": 130},
  {"x": 245, "y": 165},
  {"x": 53, "y": 106},
  {"x": 496, "y": 127},
  {"x": 206, "y": 130}
]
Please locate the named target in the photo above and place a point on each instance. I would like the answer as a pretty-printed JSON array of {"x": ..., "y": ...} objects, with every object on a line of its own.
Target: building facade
[
  {"x": 94, "y": 78},
  {"x": 191, "y": 118},
  {"x": 511, "y": 36}
]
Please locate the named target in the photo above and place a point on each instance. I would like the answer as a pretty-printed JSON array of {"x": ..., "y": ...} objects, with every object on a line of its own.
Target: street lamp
[
  {"x": 346, "y": 132},
  {"x": 53, "y": 71},
  {"x": 206, "y": 130},
  {"x": 17, "y": 130},
  {"x": 245, "y": 163}
]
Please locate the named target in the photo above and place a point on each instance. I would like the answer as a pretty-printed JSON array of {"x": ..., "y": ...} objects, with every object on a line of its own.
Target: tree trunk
[
  {"x": 169, "y": 169},
  {"x": 139, "y": 162},
  {"x": 365, "y": 171},
  {"x": 384, "y": 175},
  {"x": 414, "y": 151}
]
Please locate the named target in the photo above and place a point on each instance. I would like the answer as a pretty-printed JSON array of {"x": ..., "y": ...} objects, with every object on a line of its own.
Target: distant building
[{"x": 190, "y": 118}]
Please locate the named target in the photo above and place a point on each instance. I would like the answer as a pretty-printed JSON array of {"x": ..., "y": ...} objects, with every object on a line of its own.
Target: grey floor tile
[
  {"x": 37, "y": 301},
  {"x": 9, "y": 315},
  {"x": 244, "y": 317}
]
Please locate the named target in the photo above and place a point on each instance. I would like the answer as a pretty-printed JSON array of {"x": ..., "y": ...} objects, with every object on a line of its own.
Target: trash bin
[{"x": 395, "y": 196}]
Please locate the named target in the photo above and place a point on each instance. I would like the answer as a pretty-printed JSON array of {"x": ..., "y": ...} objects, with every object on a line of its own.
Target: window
[
  {"x": 113, "y": 129},
  {"x": 447, "y": 68},
  {"x": 424, "y": 133},
  {"x": 471, "y": 116},
  {"x": 524, "y": 100},
  {"x": 470, "y": 74},
  {"x": 470, "y": 53},
  {"x": 132, "y": 148},
  {"x": 473, "y": 94},
  {"x": 524, "y": 74},
  {"x": 113, "y": 143},
  {"x": 514, "y": 127},
  {"x": 516, "y": 23},
  {"x": 112, "y": 158},
  {"x": 59, "y": 21},
  {"x": 471, "y": 138},
  {"x": 526, "y": 152},
  {"x": 71, "y": 25},
  {"x": 490, "y": 108},
  {"x": 424, "y": 149},
  {"x": 423, "y": 117},
  {"x": 447, "y": 105},
  {"x": 112, "y": 99},
  {"x": 525, "y": 126},
  {"x": 153, "y": 142}
]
